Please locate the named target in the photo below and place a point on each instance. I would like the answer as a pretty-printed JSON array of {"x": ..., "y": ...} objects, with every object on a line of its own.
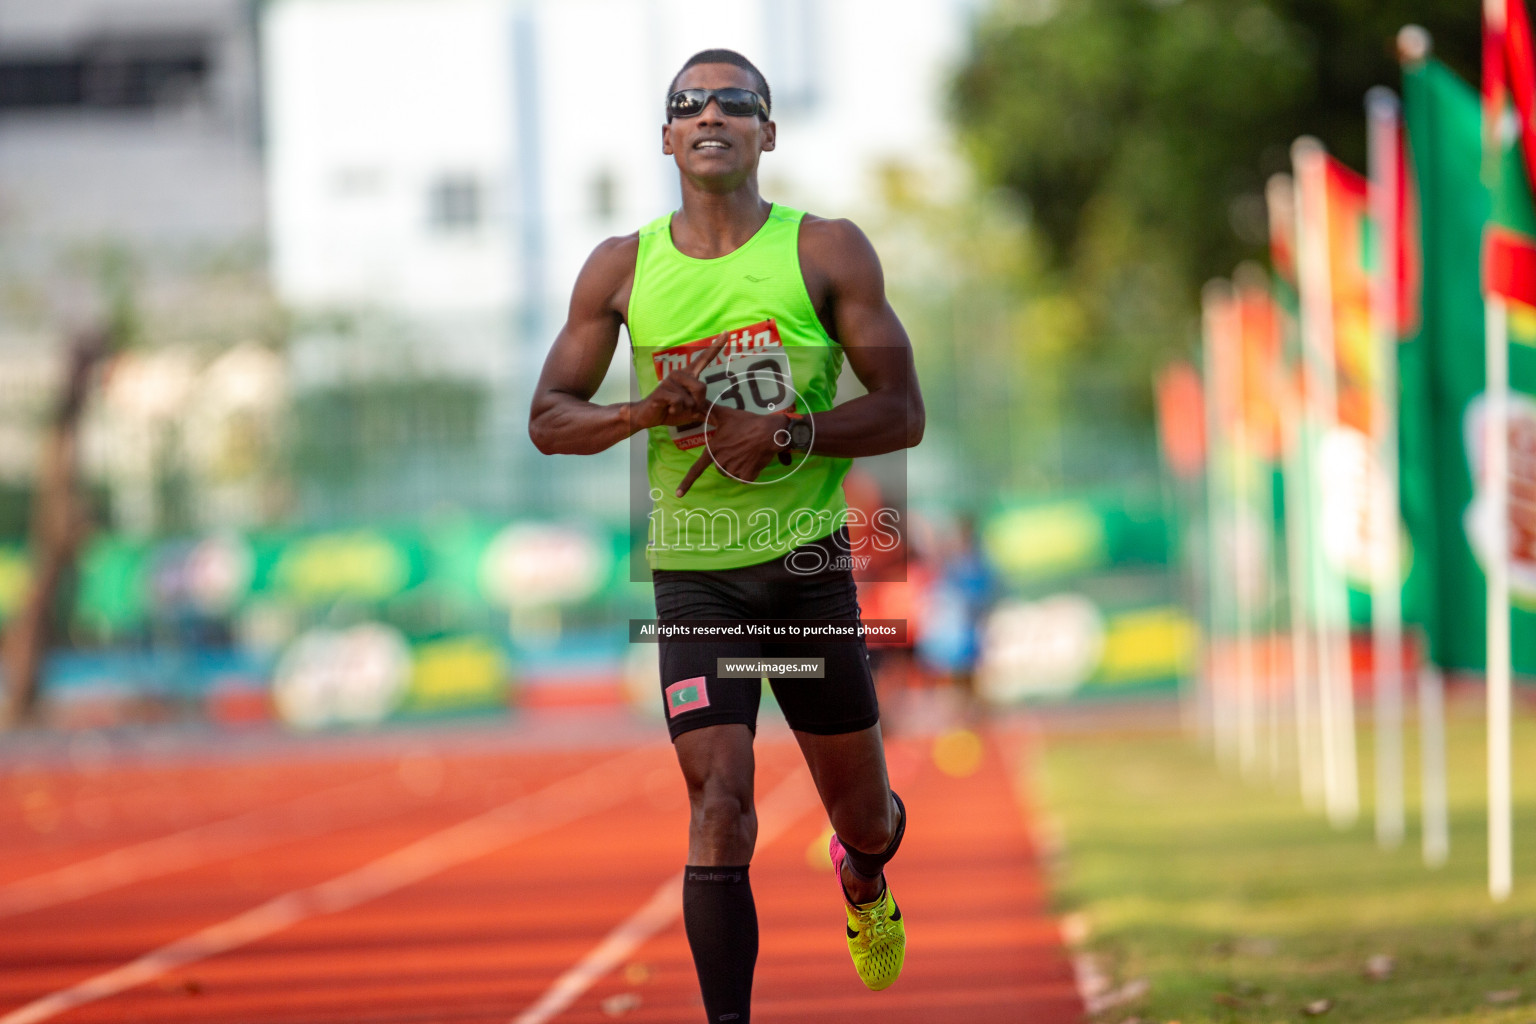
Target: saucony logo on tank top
[{"x": 778, "y": 358}]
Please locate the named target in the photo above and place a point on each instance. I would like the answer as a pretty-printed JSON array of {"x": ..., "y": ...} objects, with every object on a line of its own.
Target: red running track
[{"x": 432, "y": 880}]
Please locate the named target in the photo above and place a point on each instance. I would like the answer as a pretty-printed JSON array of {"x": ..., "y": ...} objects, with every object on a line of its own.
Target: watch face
[{"x": 800, "y": 435}]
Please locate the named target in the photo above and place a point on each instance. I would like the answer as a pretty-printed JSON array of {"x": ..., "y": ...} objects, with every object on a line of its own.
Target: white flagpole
[
  {"x": 1336, "y": 698},
  {"x": 1243, "y": 538},
  {"x": 1212, "y": 299},
  {"x": 1496, "y": 448},
  {"x": 1303, "y": 668},
  {"x": 1386, "y": 572},
  {"x": 1280, "y": 194},
  {"x": 1436, "y": 824}
]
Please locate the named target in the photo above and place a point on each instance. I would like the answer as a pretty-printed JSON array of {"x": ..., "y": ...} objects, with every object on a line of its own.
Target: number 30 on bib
[{"x": 750, "y": 374}]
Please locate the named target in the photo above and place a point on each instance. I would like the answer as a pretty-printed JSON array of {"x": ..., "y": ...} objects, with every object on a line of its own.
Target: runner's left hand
[{"x": 741, "y": 444}]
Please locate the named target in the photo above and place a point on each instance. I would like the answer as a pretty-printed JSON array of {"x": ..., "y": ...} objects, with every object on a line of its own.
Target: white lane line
[
  {"x": 560, "y": 803},
  {"x": 658, "y": 912},
  {"x": 787, "y": 804},
  {"x": 307, "y": 815}
]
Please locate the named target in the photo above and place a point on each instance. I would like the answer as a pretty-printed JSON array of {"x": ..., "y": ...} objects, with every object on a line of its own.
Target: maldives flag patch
[{"x": 687, "y": 695}]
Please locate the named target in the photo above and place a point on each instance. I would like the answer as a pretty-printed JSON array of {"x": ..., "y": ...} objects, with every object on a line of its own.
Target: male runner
[{"x": 740, "y": 313}]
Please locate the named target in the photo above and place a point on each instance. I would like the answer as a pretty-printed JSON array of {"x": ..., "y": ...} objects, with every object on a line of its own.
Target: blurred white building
[
  {"x": 445, "y": 166},
  {"x": 130, "y": 149},
  {"x": 423, "y": 179},
  {"x": 421, "y": 153},
  {"x": 129, "y": 121}
]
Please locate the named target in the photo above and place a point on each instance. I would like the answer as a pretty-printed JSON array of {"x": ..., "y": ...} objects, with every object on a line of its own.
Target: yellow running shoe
[{"x": 877, "y": 936}]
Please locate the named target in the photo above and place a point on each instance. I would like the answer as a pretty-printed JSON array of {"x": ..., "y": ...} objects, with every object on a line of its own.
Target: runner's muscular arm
[
  {"x": 844, "y": 278},
  {"x": 564, "y": 420}
]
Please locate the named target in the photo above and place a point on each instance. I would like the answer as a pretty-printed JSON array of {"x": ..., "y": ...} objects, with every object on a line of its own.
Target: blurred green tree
[
  {"x": 993, "y": 325},
  {"x": 1139, "y": 133}
]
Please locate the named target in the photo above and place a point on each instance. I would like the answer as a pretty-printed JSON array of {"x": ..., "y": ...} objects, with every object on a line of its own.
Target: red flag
[
  {"x": 1410, "y": 261},
  {"x": 1509, "y": 243},
  {"x": 1508, "y": 66},
  {"x": 1181, "y": 419},
  {"x": 1261, "y": 372},
  {"x": 1349, "y": 258}
]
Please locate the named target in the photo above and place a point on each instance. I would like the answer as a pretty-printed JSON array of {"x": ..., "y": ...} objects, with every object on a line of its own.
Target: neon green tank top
[{"x": 778, "y": 358}]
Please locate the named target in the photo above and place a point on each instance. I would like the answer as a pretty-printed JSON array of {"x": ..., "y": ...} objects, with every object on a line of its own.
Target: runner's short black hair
[{"x": 722, "y": 56}]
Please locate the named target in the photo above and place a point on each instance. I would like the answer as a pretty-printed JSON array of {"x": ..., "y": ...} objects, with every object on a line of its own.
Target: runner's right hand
[{"x": 679, "y": 400}]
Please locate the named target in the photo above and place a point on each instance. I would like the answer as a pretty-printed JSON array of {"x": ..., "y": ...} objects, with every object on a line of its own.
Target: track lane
[
  {"x": 473, "y": 944},
  {"x": 63, "y": 814},
  {"x": 313, "y": 813},
  {"x": 565, "y": 800},
  {"x": 481, "y": 941},
  {"x": 55, "y": 817},
  {"x": 59, "y": 947},
  {"x": 983, "y": 948},
  {"x": 791, "y": 800}
]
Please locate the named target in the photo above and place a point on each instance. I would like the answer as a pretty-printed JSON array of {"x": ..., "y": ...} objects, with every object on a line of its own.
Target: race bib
[{"x": 751, "y": 373}]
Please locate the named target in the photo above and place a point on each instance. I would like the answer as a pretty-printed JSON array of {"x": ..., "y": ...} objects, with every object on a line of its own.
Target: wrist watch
[
  {"x": 801, "y": 433},
  {"x": 796, "y": 437}
]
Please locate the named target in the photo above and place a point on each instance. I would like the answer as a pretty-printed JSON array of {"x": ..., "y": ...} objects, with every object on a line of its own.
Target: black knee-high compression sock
[
  {"x": 869, "y": 865},
  {"x": 721, "y": 921}
]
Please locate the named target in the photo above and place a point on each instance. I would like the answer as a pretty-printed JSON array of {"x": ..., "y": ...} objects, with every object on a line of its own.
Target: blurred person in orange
[{"x": 892, "y": 587}]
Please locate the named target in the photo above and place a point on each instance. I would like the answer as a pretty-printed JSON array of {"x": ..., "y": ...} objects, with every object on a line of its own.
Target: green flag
[{"x": 1443, "y": 378}]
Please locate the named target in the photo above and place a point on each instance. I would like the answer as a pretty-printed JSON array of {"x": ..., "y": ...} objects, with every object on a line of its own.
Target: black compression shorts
[{"x": 842, "y": 702}]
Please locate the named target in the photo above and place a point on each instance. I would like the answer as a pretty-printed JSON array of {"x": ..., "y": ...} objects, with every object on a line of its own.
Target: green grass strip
[{"x": 1237, "y": 903}]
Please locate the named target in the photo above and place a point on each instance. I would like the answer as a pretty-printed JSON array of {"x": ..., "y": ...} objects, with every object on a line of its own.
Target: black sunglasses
[{"x": 733, "y": 103}]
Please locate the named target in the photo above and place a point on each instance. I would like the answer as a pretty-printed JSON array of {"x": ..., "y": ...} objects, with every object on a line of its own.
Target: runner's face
[{"x": 712, "y": 146}]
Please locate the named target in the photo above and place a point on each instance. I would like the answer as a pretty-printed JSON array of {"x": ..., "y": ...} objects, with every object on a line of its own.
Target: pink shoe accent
[{"x": 835, "y": 851}]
